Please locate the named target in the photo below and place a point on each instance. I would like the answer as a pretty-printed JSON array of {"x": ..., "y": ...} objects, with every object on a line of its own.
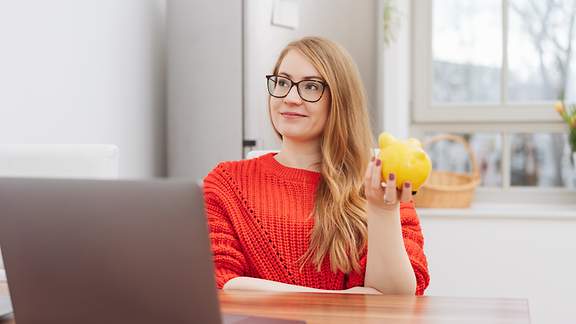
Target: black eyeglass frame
[{"x": 268, "y": 77}]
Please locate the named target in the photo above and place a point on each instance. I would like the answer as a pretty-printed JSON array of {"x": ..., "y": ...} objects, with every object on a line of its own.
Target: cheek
[
  {"x": 274, "y": 103},
  {"x": 323, "y": 112},
  {"x": 318, "y": 123},
  {"x": 322, "y": 122},
  {"x": 273, "y": 106}
]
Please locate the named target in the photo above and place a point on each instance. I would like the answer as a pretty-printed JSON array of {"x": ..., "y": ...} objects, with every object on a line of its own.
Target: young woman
[{"x": 315, "y": 216}]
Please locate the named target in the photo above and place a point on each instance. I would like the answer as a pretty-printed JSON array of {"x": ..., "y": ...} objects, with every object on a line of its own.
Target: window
[{"x": 491, "y": 71}]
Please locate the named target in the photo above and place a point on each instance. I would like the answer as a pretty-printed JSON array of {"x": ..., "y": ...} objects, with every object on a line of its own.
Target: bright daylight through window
[{"x": 498, "y": 67}]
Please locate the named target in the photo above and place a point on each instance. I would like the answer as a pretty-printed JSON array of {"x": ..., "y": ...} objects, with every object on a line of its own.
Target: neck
[{"x": 300, "y": 155}]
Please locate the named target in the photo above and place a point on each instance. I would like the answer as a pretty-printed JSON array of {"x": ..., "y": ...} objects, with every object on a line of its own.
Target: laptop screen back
[{"x": 99, "y": 251}]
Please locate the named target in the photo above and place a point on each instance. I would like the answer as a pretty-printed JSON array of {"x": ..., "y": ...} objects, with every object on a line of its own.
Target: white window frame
[
  {"x": 425, "y": 111},
  {"x": 501, "y": 118}
]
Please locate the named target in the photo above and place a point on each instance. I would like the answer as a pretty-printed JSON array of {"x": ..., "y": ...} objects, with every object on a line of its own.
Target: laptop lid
[
  {"x": 101, "y": 251},
  {"x": 86, "y": 161}
]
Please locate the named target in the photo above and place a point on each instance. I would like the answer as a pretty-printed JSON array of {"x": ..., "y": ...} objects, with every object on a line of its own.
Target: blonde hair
[{"x": 340, "y": 227}]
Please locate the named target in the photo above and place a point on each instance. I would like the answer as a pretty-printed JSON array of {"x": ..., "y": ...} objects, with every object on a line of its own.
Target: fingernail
[
  {"x": 378, "y": 162},
  {"x": 407, "y": 184},
  {"x": 391, "y": 176},
  {"x": 372, "y": 159}
]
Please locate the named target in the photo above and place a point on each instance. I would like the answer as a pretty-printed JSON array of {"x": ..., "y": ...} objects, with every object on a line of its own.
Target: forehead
[{"x": 297, "y": 65}]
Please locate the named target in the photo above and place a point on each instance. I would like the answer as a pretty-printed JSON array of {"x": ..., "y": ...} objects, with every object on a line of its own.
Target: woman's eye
[
  {"x": 312, "y": 86},
  {"x": 282, "y": 83}
]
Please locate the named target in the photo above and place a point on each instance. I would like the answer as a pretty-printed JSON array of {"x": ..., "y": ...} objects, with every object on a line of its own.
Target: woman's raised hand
[{"x": 384, "y": 195}]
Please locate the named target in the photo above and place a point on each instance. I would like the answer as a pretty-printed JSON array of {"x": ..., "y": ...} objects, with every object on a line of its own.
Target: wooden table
[{"x": 341, "y": 308}]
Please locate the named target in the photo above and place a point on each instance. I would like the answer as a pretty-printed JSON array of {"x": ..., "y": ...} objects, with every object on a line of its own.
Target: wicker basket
[{"x": 449, "y": 189}]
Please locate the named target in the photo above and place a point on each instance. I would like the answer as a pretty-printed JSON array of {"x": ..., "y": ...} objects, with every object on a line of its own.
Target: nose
[{"x": 293, "y": 97}]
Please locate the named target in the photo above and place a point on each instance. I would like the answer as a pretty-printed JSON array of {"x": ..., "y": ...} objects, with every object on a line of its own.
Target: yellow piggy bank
[{"x": 406, "y": 159}]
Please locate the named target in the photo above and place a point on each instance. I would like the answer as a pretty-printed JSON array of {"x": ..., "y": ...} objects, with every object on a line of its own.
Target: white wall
[
  {"x": 350, "y": 23},
  {"x": 505, "y": 256},
  {"x": 85, "y": 72},
  {"x": 394, "y": 72}
]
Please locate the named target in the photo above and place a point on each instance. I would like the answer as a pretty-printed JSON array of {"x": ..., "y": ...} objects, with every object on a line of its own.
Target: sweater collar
[{"x": 289, "y": 173}]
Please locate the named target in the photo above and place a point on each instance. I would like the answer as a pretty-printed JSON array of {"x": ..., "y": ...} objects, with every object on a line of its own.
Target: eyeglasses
[{"x": 308, "y": 90}]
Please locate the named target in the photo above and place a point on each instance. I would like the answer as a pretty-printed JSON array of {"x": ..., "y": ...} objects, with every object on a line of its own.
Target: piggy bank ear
[
  {"x": 414, "y": 142},
  {"x": 385, "y": 139},
  {"x": 421, "y": 156}
]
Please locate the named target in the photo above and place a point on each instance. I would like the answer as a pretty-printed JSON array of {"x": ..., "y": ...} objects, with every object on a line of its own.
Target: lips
[{"x": 293, "y": 114}]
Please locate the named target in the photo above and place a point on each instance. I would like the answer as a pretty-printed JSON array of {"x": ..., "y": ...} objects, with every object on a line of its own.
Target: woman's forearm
[
  {"x": 388, "y": 267},
  {"x": 248, "y": 283}
]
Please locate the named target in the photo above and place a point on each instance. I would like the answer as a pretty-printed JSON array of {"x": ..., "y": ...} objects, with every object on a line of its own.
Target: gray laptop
[{"x": 103, "y": 251}]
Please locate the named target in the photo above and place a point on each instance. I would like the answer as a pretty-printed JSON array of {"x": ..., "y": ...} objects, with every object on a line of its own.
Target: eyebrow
[{"x": 304, "y": 78}]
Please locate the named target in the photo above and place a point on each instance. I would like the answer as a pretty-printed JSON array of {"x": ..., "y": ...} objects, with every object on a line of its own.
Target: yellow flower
[
  {"x": 573, "y": 121},
  {"x": 559, "y": 107}
]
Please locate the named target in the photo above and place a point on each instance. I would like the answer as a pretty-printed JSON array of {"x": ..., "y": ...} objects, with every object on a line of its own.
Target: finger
[
  {"x": 367, "y": 178},
  {"x": 406, "y": 192},
  {"x": 376, "y": 171},
  {"x": 390, "y": 196},
  {"x": 368, "y": 174}
]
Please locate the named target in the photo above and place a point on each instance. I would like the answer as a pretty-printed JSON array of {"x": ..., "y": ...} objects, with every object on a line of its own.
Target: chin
[
  {"x": 294, "y": 132},
  {"x": 296, "y": 136}
]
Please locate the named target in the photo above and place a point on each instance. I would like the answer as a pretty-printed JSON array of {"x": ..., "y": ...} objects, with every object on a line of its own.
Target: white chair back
[
  {"x": 59, "y": 161},
  {"x": 257, "y": 153}
]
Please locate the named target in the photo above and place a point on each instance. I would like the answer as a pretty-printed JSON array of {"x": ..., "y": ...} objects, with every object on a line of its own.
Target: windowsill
[{"x": 504, "y": 211}]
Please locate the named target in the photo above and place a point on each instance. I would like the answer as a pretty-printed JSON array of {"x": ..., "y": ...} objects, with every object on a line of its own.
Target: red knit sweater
[{"x": 259, "y": 226}]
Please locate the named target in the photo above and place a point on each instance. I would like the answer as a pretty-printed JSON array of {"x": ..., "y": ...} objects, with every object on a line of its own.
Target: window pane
[
  {"x": 539, "y": 46},
  {"x": 451, "y": 156},
  {"x": 541, "y": 160},
  {"x": 467, "y": 50}
]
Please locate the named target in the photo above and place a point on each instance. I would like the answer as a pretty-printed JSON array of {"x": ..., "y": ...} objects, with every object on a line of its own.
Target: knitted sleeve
[
  {"x": 354, "y": 278},
  {"x": 414, "y": 244},
  {"x": 229, "y": 260}
]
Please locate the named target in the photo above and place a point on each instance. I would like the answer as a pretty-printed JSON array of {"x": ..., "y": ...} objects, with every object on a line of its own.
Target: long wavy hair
[{"x": 340, "y": 227}]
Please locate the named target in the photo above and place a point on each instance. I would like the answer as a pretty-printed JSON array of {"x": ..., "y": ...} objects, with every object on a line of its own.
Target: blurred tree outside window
[{"x": 502, "y": 53}]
